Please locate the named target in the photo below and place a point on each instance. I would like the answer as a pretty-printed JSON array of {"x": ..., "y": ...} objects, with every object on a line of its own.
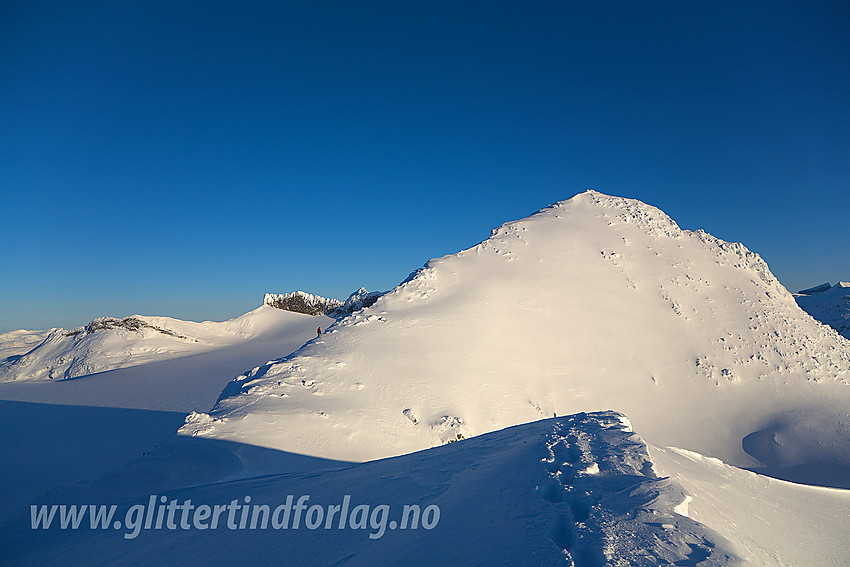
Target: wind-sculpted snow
[
  {"x": 828, "y": 304},
  {"x": 613, "y": 508},
  {"x": 594, "y": 302},
  {"x": 804, "y": 446},
  {"x": 767, "y": 522}
]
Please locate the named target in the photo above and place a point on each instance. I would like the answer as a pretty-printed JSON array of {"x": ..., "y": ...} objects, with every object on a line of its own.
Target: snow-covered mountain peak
[
  {"x": 620, "y": 209},
  {"x": 132, "y": 324},
  {"x": 596, "y": 302},
  {"x": 597, "y": 219}
]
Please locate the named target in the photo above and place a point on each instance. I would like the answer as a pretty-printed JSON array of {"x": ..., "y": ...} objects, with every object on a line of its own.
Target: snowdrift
[{"x": 595, "y": 302}]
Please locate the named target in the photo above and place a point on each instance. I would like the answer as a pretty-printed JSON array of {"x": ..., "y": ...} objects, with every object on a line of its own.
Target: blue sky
[{"x": 183, "y": 158}]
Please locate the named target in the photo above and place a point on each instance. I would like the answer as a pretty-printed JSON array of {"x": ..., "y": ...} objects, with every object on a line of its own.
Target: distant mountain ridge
[
  {"x": 15, "y": 344},
  {"x": 829, "y": 304},
  {"x": 129, "y": 323},
  {"x": 109, "y": 343}
]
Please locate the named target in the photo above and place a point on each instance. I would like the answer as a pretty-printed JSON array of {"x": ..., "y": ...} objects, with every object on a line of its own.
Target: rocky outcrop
[
  {"x": 358, "y": 300},
  {"x": 302, "y": 302},
  {"x": 129, "y": 323}
]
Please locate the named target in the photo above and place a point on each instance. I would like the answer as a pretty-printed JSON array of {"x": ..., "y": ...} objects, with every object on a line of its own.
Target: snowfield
[
  {"x": 578, "y": 490},
  {"x": 493, "y": 385}
]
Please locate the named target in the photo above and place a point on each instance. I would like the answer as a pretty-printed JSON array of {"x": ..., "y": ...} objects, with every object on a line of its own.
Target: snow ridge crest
[{"x": 611, "y": 507}]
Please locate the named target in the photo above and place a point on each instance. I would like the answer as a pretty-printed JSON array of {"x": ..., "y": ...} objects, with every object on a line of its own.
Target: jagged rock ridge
[
  {"x": 307, "y": 303},
  {"x": 301, "y": 302}
]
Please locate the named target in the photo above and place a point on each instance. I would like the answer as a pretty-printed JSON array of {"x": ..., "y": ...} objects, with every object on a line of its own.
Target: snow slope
[
  {"x": 165, "y": 380},
  {"x": 108, "y": 343},
  {"x": 61, "y": 431},
  {"x": 767, "y": 522},
  {"x": 581, "y": 490},
  {"x": 15, "y": 344},
  {"x": 595, "y": 302},
  {"x": 829, "y": 305}
]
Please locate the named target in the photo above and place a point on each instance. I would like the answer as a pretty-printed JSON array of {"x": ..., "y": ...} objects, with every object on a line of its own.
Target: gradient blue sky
[{"x": 183, "y": 158}]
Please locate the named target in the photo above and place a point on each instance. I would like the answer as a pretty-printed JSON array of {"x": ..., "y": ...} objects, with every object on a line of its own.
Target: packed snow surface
[
  {"x": 595, "y": 302},
  {"x": 579, "y": 490},
  {"x": 829, "y": 304}
]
